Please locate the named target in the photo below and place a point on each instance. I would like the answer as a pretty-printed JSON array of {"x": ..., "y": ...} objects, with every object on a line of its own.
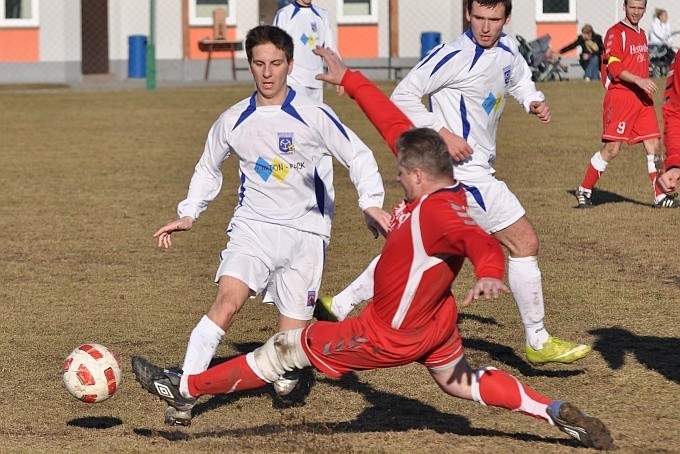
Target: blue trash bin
[
  {"x": 428, "y": 41},
  {"x": 137, "y": 56}
]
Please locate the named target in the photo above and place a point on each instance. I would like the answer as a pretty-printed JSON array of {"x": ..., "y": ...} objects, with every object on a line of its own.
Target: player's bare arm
[
  {"x": 541, "y": 110},
  {"x": 647, "y": 85},
  {"x": 163, "y": 234},
  {"x": 459, "y": 149},
  {"x": 489, "y": 287},
  {"x": 377, "y": 220}
]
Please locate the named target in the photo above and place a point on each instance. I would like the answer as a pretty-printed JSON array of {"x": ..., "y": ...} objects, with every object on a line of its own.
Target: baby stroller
[{"x": 543, "y": 66}]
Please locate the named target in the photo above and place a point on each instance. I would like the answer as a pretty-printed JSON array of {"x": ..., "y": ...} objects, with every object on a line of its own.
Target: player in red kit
[
  {"x": 668, "y": 180},
  {"x": 628, "y": 108},
  {"x": 413, "y": 314}
]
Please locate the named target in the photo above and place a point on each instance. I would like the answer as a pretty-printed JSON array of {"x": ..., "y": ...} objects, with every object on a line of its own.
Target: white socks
[
  {"x": 524, "y": 278},
  {"x": 361, "y": 289},
  {"x": 201, "y": 348}
]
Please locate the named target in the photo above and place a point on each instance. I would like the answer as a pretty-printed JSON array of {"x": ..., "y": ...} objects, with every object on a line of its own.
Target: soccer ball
[{"x": 92, "y": 373}]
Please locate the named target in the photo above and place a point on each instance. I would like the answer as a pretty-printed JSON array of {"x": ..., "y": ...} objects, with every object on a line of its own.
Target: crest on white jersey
[{"x": 286, "y": 144}]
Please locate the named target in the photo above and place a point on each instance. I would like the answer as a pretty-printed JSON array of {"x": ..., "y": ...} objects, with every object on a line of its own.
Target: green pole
[{"x": 151, "y": 49}]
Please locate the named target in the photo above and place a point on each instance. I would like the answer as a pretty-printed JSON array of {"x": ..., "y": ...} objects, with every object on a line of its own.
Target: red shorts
[
  {"x": 628, "y": 118},
  {"x": 365, "y": 342}
]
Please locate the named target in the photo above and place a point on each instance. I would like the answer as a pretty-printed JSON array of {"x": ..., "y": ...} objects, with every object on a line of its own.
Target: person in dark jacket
[{"x": 591, "y": 52}]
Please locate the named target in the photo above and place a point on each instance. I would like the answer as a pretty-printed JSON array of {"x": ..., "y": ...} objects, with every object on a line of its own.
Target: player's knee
[{"x": 281, "y": 353}]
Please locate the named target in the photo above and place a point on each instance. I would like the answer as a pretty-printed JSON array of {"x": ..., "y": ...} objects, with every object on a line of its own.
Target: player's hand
[
  {"x": 647, "y": 85},
  {"x": 541, "y": 110},
  {"x": 163, "y": 234},
  {"x": 377, "y": 220},
  {"x": 458, "y": 147},
  {"x": 668, "y": 181},
  {"x": 336, "y": 67},
  {"x": 488, "y": 287}
]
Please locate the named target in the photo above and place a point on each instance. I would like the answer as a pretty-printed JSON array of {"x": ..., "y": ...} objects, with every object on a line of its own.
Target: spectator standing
[
  {"x": 591, "y": 47},
  {"x": 309, "y": 27},
  {"x": 661, "y": 35},
  {"x": 628, "y": 107}
]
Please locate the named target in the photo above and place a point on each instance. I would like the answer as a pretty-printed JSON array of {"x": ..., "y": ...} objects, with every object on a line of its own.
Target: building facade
[{"x": 68, "y": 41}]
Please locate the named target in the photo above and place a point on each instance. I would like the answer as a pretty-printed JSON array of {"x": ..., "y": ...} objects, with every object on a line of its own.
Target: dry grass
[{"x": 88, "y": 177}]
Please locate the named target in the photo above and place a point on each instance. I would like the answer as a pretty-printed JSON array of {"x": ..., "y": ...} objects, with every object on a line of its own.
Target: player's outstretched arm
[
  {"x": 163, "y": 234},
  {"x": 388, "y": 119}
]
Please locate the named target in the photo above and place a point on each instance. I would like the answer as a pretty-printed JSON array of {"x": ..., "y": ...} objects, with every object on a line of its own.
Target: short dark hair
[
  {"x": 491, "y": 4},
  {"x": 425, "y": 149},
  {"x": 625, "y": 3},
  {"x": 269, "y": 34}
]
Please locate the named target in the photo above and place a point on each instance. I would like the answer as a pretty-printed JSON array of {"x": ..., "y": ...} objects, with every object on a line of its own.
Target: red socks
[
  {"x": 230, "y": 376},
  {"x": 499, "y": 389}
]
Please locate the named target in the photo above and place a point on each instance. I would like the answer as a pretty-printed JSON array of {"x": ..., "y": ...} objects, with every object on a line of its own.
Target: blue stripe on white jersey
[
  {"x": 465, "y": 121},
  {"x": 336, "y": 122},
  {"x": 320, "y": 192},
  {"x": 252, "y": 105},
  {"x": 443, "y": 61},
  {"x": 288, "y": 107}
]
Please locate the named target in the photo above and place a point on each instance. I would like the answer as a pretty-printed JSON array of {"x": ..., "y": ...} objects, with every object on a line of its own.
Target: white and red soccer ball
[{"x": 92, "y": 373}]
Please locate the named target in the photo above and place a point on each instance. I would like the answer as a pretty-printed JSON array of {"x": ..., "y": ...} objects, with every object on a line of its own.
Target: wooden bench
[{"x": 220, "y": 45}]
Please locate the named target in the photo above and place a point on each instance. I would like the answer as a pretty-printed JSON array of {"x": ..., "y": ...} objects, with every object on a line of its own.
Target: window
[
  {"x": 201, "y": 11},
  {"x": 556, "y": 10},
  {"x": 19, "y": 13},
  {"x": 358, "y": 12}
]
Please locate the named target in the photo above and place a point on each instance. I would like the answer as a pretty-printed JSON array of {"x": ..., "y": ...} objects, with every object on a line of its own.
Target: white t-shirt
[
  {"x": 285, "y": 164},
  {"x": 467, "y": 86},
  {"x": 660, "y": 33},
  {"x": 309, "y": 27}
]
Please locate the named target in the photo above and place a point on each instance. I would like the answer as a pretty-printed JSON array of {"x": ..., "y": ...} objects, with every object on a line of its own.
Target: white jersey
[
  {"x": 309, "y": 27},
  {"x": 467, "y": 86},
  {"x": 285, "y": 164}
]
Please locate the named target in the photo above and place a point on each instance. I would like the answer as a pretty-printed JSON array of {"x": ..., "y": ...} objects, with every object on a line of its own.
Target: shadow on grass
[
  {"x": 385, "y": 412},
  {"x": 603, "y": 197},
  {"x": 655, "y": 353},
  {"x": 95, "y": 422}
]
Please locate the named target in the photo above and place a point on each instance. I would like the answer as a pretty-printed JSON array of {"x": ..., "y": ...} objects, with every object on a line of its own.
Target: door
[{"x": 94, "y": 36}]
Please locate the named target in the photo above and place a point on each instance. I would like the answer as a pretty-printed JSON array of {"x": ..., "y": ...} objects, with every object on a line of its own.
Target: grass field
[{"x": 87, "y": 177}]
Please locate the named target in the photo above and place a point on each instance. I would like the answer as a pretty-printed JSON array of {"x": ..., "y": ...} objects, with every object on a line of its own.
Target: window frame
[
  {"x": 555, "y": 17},
  {"x": 353, "y": 19},
  {"x": 34, "y": 21},
  {"x": 195, "y": 21}
]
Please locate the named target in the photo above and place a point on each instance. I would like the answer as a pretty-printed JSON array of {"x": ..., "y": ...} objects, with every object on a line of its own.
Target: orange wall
[
  {"x": 561, "y": 33},
  {"x": 198, "y": 33},
  {"x": 358, "y": 41},
  {"x": 19, "y": 45}
]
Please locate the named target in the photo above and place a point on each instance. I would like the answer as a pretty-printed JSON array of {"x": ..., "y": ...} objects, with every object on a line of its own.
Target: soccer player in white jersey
[
  {"x": 467, "y": 81},
  {"x": 281, "y": 225},
  {"x": 309, "y": 27}
]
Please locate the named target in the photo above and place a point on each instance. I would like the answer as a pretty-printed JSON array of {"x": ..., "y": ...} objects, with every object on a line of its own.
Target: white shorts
[
  {"x": 259, "y": 253},
  {"x": 491, "y": 203}
]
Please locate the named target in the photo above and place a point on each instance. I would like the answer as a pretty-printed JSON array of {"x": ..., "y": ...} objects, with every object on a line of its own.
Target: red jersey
[
  {"x": 671, "y": 115},
  {"x": 428, "y": 238},
  {"x": 625, "y": 49},
  {"x": 427, "y": 242}
]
